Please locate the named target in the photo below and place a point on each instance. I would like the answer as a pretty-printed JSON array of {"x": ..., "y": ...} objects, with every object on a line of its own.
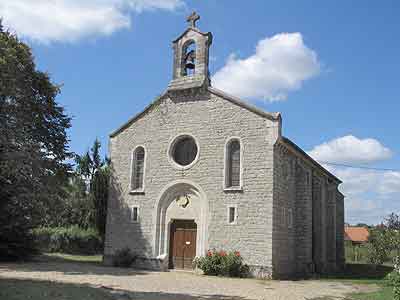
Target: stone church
[{"x": 200, "y": 169}]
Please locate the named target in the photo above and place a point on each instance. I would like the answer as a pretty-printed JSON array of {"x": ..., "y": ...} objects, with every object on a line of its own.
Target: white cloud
[
  {"x": 350, "y": 149},
  {"x": 279, "y": 65},
  {"x": 69, "y": 20},
  {"x": 370, "y": 194}
]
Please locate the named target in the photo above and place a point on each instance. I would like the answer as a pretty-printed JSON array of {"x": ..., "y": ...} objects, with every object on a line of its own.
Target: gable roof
[
  {"x": 209, "y": 34},
  {"x": 230, "y": 98},
  {"x": 356, "y": 234},
  {"x": 235, "y": 100},
  {"x": 137, "y": 116}
]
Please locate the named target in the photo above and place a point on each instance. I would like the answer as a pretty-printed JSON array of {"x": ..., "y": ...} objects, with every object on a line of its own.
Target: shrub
[
  {"x": 222, "y": 263},
  {"x": 123, "y": 257},
  {"x": 395, "y": 279},
  {"x": 74, "y": 240},
  {"x": 378, "y": 246}
]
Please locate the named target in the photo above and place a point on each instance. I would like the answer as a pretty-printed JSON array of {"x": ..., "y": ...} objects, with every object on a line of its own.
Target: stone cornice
[{"x": 209, "y": 34}]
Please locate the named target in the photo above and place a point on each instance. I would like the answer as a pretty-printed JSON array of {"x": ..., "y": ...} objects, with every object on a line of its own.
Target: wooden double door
[{"x": 182, "y": 244}]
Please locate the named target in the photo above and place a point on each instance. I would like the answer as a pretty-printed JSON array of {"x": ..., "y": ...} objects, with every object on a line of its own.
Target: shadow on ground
[
  {"x": 20, "y": 289},
  {"x": 67, "y": 267}
]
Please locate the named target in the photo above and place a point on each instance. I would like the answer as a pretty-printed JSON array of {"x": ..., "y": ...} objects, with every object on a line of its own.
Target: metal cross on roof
[{"x": 192, "y": 19}]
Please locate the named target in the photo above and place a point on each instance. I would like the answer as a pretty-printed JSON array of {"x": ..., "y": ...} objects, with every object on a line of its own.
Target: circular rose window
[{"x": 184, "y": 151}]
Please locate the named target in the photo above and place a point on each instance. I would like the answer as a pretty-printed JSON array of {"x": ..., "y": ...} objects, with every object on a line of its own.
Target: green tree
[
  {"x": 95, "y": 170},
  {"x": 379, "y": 242},
  {"x": 392, "y": 222},
  {"x": 99, "y": 192},
  {"x": 33, "y": 145}
]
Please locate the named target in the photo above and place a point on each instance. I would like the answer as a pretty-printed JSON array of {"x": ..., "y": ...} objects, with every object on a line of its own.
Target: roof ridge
[{"x": 272, "y": 116}]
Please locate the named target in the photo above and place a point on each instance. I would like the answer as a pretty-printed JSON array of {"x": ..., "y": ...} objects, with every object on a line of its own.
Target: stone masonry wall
[
  {"x": 283, "y": 252},
  {"x": 292, "y": 238},
  {"x": 303, "y": 219},
  {"x": 315, "y": 240},
  {"x": 340, "y": 256},
  {"x": 211, "y": 120}
]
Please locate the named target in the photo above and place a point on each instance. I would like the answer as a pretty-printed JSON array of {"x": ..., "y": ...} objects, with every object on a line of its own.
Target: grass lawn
[
  {"x": 74, "y": 258},
  {"x": 366, "y": 274},
  {"x": 384, "y": 293}
]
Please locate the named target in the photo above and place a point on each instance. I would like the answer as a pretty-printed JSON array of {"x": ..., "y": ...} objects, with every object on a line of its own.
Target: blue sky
[{"x": 339, "y": 99}]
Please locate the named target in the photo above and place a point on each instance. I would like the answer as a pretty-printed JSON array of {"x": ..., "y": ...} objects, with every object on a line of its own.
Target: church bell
[
  {"x": 190, "y": 60},
  {"x": 189, "y": 65}
]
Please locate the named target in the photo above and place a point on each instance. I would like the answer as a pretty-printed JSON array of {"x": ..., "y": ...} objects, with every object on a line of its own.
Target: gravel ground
[{"x": 174, "y": 285}]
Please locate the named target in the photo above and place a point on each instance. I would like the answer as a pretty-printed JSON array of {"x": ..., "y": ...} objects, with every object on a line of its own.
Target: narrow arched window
[
  {"x": 232, "y": 175},
  {"x": 137, "y": 169}
]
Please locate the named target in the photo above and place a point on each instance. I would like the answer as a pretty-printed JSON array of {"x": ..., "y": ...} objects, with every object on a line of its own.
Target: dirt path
[{"x": 174, "y": 285}]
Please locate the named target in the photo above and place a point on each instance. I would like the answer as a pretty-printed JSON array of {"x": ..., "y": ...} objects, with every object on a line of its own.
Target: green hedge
[{"x": 74, "y": 240}]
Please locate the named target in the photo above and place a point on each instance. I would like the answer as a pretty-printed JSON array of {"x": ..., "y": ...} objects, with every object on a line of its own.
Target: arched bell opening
[{"x": 189, "y": 58}]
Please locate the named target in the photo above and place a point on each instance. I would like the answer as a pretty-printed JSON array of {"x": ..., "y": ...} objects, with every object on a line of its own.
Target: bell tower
[{"x": 191, "y": 52}]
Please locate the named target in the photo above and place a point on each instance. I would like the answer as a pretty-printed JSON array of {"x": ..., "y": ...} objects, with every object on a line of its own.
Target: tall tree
[
  {"x": 393, "y": 221},
  {"x": 33, "y": 145},
  {"x": 96, "y": 171},
  {"x": 99, "y": 192}
]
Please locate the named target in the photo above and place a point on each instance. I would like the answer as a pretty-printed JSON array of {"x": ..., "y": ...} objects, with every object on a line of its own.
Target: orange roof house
[{"x": 356, "y": 234}]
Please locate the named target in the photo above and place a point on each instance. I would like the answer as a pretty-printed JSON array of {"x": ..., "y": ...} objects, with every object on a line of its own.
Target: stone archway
[{"x": 180, "y": 200}]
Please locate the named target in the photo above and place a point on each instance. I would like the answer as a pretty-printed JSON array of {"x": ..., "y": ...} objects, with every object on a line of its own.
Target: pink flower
[{"x": 237, "y": 253}]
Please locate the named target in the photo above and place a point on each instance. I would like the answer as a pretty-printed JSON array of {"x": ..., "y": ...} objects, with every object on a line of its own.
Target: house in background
[{"x": 356, "y": 235}]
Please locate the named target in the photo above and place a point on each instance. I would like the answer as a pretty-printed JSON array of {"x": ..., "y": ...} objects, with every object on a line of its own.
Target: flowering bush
[
  {"x": 222, "y": 263},
  {"x": 395, "y": 279}
]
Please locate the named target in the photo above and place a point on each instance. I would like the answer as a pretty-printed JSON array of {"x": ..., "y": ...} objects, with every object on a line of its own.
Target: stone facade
[{"x": 289, "y": 213}]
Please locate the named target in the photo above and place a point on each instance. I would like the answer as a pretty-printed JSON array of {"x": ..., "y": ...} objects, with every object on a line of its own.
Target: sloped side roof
[
  {"x": 232, "y": 99},
  {"x": 356, "y": 234},
  {"x": 301, "y": 152}
]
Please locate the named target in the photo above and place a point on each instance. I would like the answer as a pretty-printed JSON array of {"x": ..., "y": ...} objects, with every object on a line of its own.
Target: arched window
[
  {"x": 137, "y": 176},
  {"x": 189, "y": 58},
  {"x": 232, "y": 164}
]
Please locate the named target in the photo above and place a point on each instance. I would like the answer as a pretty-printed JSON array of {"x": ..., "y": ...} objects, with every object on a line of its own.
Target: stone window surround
[
  {"x": 228, "y": 214},
  {"x": 170, "y": 151},
  {"x": 226, "y": 149},
  {"x": 137, "y": 213},
  {"x": 142, "y": 189}
]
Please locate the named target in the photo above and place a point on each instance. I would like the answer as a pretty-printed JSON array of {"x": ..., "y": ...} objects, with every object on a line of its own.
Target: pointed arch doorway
[{"x": 181, "y": 223}]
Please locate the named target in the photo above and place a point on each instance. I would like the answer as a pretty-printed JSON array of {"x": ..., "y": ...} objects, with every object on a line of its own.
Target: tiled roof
[{"x": 356, "y": 234}]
